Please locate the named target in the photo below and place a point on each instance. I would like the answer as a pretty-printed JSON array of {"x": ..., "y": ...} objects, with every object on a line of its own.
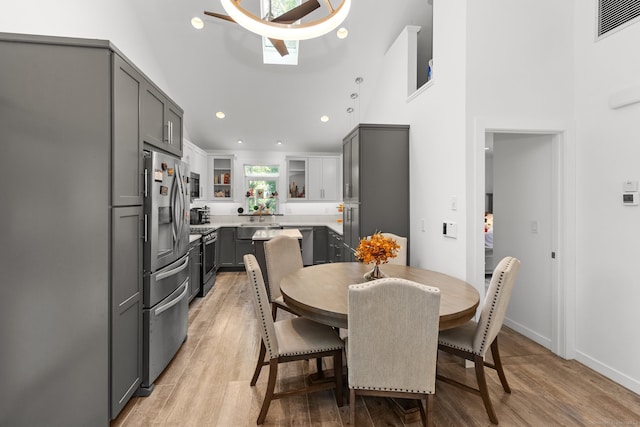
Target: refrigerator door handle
[
  {"x": 146, "y": 183},
  {"x": 174, "y": 209},
  {"x": 174, "y": 301},
  {"x": 146, "y": 227},
  {"x": 174, "y": 271}
]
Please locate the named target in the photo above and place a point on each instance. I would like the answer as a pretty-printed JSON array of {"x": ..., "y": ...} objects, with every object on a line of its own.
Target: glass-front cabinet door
[
  {"x": 223, "y": 179},
  {"x": 297, "y": 178}
]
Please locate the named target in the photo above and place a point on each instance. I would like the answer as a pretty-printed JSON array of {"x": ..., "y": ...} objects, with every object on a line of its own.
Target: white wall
[
  {"x": 113, "y": 20},
  {"x": 608, "y": 153},
  {"x": 531, "y": 66},
  {"x": 437, "y": 138}
]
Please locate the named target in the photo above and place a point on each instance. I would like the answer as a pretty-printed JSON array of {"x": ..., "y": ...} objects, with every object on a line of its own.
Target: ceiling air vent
[{"x": 616, "y": 14}]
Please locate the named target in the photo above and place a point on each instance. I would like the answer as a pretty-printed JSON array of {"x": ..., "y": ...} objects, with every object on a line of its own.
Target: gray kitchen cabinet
[
  {"x": 70, "y": 116},
  {"x": 195, "y": 268},
  {"x": 335, "y": 247},
  {"x": 320, "y": 245},
  {"x": 376, "y": 182},
  {"x": 127, "y": 147},
  {"x": 161, "y": 120},
  {"x": 126, "y": 297},
  {"x": 243, "y": 247},
  {"x": 227, "y": 247}
]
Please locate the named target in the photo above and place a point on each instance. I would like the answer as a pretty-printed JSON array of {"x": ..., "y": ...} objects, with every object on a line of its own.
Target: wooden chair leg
[
  {"x": 497, "y": 362},
  {"x": 271, "y": 385},
  {"x": 337, "y": 373},
  {"x": 423, "y": 415},
  {"x": 319, "y": 367},
  {"x": 256, "y": 373},
  {"x": 430, "y": 410},
  {"x": 352, "y": 407},
  {"x": 484, "y": 390}
]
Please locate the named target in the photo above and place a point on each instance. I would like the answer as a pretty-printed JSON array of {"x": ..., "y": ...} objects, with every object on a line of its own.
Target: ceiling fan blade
[
  {"x": 297, "y": 12},
  {"x": 280, "y": 47},
  {"x": 217, "y": 15}
]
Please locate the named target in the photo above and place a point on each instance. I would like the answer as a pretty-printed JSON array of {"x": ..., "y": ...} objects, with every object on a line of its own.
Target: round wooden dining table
[{"x": 320, "y": 292}]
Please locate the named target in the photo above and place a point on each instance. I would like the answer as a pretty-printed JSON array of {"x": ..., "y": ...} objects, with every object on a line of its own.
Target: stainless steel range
[{"x": 209, "y": 257}]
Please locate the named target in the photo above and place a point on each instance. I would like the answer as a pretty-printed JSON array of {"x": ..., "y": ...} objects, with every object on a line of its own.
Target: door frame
[{"x": 563, "y": 270}]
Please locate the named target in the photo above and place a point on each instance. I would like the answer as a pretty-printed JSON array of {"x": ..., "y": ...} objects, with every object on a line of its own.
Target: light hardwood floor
[{"x": 207, "y": 383}]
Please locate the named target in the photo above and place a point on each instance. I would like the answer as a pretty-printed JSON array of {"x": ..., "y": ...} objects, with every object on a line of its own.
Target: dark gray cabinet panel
[
  {"x": 126, "y": 309},
  {"x": 227, "y": 247},
  {"x": 335, "y": 247},
  {"x": 161, "y": 120},
  {"x": 55, "y": 116},
  {"x": 127, "y": 146},
  {"x": 243, "y": 247},
  {"x": 320, "y": 245},
  {"x": 195, "y": 268},
  {"x": 376, "y": 176}
]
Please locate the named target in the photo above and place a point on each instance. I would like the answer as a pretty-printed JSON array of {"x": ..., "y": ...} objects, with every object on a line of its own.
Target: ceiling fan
[{"x": 288, "y": 17}]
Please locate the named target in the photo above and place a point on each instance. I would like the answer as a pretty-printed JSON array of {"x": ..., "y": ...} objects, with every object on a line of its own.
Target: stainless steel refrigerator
[{"x": 166, "y": 263}]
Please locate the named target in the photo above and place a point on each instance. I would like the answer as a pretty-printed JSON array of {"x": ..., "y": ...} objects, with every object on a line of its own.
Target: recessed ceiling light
[
  {"x": 197, "y": 23},
  {"x": 486, "y": 148},
  {"x": 354, "y": 95},
  {"x": 279, "y": 142},
  {"x": 349, "y": 110},
  {"x": 324, "y": 119},
  {"x": 220, "y": 115},
  {"x": 239, "y": 141},
  {"x": 359, "y": 80},
  {"x": 342, "y": 33}
]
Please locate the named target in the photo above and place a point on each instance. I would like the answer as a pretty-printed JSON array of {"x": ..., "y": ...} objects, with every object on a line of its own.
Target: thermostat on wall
[{"x": 630, "y": 199}]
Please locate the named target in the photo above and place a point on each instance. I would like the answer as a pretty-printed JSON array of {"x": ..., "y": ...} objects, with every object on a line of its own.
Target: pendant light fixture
[{"x": 281, "y": 29}]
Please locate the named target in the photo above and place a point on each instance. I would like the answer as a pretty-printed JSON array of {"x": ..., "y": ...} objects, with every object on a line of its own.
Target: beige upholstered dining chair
[
  {"x": 472, "y": 340},
  {"x": 282, "y": 256},
  {"x": 290, "y": 340},
  {"x": 401, "y": 257},
  {"x": 393, "y": 341}
]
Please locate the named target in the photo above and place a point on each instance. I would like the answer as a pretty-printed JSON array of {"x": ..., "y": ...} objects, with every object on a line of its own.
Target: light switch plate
[{"x": 450, "y": 229}]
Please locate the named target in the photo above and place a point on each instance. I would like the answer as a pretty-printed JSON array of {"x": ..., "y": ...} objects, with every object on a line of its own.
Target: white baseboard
[
  {"x": 609, "y": 372},
  {"x": 532, "y": 335}
]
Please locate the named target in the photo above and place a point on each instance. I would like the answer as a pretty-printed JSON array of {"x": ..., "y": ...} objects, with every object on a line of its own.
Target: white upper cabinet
[
  {"x": 324, "y": 178},
  {"x": 315, "y": 179}
]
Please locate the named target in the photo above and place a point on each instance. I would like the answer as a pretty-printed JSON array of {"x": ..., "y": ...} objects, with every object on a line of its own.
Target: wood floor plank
[{"x": 207, "y": 383}]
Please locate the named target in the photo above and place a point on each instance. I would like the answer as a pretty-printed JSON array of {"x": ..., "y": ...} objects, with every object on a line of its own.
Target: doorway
[
  {"x": 536, "y": 224},
  {"x": 521, "y": 224}
]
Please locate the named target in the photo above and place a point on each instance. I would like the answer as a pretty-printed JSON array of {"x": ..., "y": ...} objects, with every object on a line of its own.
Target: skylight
[{"x": 269, "y": 54}]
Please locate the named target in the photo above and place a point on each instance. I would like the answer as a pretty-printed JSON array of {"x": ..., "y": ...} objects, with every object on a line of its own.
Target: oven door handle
[
  {"x": 174, "y": 301},
  {"x": 176, "y": 270}
]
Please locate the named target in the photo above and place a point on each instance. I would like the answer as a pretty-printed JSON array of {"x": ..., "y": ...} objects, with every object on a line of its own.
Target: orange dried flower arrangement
[{"x": 376, "y": 249}]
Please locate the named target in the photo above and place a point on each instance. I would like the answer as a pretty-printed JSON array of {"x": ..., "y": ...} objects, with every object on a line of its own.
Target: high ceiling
[{"x": 219, "y": 68}]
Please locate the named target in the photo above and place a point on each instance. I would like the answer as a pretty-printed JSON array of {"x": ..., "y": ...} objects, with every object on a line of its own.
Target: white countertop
[
  {"x": 194, "y": 237},
  {"x": 270, "y": 233},
  {"x": 333, "y": 225}
]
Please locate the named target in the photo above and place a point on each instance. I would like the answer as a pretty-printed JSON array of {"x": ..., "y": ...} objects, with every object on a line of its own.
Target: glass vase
[{"x": 374, "y": 273}]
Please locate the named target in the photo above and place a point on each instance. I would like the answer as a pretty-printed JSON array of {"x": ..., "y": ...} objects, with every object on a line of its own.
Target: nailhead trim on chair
[
  {"x": 403, "y": 390},
  {"x": 265, "y": 336},
  {"x": 314, "y": 351},
  {"x": 482, "y": 349}
]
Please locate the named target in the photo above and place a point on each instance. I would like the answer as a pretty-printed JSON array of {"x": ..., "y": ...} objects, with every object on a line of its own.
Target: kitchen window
[{"x": 261, "y": 188}]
